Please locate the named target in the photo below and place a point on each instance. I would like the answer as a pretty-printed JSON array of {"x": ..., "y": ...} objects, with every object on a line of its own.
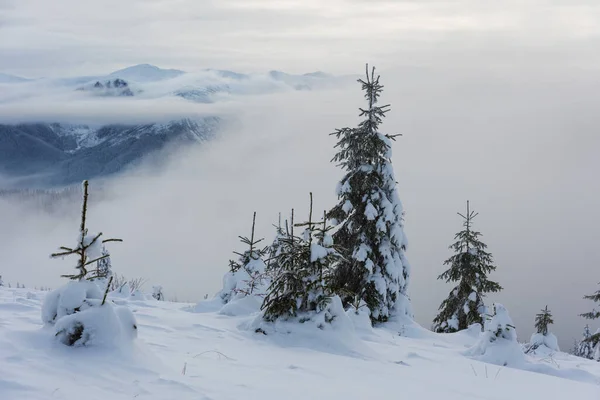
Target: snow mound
[
  {"x": 78, "y": 317},
  {"x": 241, "y": 305},
  {"x": 67, "y": 300},
  {"x": 332, "y": 318},
  {"x": 498, "y": 344},
  {"x": 99, "y": 326},
  {"x": 360, "y": 318},
  {"x": 539, "y": 342}
]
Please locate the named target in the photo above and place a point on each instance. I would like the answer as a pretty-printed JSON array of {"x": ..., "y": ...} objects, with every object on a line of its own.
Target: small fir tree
[
  {"x": 469, "y": 267},
  {"x": 300, "y": 287},
  {"x": 88, "y": 245},
  {"x": 275, "y": 248},
  {"x": 542, "y": 336},
  {"x": 369, "y": 215},
  {"x": 246, "y": 275},
  {"x": 594, "y": 314},
  {"x": 1, "y": 281},
  {"x": 585, "y": 348},
  {"x": 542, "y": 320},
  {"x": 103, "y": 266}
]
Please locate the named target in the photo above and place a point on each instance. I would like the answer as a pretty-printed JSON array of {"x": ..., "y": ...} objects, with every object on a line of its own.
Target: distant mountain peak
[{"x": 146, "y": 73}]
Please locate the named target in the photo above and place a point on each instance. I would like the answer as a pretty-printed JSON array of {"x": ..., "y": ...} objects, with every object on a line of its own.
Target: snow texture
[{"x": 205, "y": 355}]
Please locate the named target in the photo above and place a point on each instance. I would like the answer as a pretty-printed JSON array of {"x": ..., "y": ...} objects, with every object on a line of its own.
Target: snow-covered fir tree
[
  {"x": 103, "y": 265},
  {"x": 594, "y": 314},
  {"x": 469, "y": 266},
  {"x": 369, "y": 215},
  {"x": 585, "y": 347},
  {"x": 542, "y": 320},
  {"x": 246, "y": 276},
  {"x": 1, "y": 281},
  {"x": 300, "y": 286},
  {"x": 275, "y": 248},
  {"x": 542, "y": 337}
]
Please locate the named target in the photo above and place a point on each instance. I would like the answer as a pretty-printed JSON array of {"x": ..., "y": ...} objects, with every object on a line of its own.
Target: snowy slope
[{"x": 181, "y": 354}]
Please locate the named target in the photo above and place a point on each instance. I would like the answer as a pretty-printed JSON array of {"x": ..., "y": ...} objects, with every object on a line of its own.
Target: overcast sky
[{"x": 497, "y": 102}]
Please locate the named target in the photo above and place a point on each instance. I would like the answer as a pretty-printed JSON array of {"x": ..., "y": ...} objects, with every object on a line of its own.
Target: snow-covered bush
[
  {"x": 157, "y": 293},
  {"x": 497, "y": 343},
  {"x": 78, "y": 311},
  {"x": 79, "y": 316},
  {"x": 97, "y": 325},
  {"x": 542, "y": 342}
]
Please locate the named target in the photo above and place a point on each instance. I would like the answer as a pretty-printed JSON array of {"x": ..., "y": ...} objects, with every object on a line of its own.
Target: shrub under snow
[
  {"x": 548, "y": 341},
  {"x": 78, "y": 317},
  {"x": 497, "y": 343}
]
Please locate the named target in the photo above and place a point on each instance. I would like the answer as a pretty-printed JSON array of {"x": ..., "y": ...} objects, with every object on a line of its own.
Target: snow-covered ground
[{"x": 197, "y": 352}]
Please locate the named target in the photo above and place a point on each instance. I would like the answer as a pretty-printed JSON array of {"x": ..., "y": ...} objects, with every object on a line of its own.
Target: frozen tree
[
  {"x": 246, "y": 276},
  {"x": 585, "y": 348},
  {"x": 300, "y": 286},
  {"x": 542, "y": 337},
  {"x": 1, "y": 281},
  {"x": 369, "y": 215},
  {"x": 469, "y": 266},
  {"x": 157, "y": 293}
]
